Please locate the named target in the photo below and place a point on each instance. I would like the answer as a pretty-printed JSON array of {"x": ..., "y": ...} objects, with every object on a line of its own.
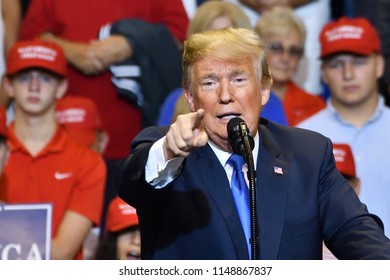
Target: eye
[
  {"x": 46, "y": 78},
  {"x": 23, "y": 77},
  {"x": 240, "y": 80},
  {"x": 295, "y": 52},
  {"x": 208, "y": 85},
  {"x": 334, "y": 64},
  {"x": 276, "y": 48},
  {"x": 360, "y": 61}
]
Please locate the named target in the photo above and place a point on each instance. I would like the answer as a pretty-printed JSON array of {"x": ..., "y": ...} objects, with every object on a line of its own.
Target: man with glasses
[
  {"x": 355, "y": 112},
  {"x": 284, "y": 34}
]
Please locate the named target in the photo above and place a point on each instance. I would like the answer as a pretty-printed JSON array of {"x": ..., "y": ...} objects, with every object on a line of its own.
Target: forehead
[
  {"x": 211, "y": 65},
  {"x": 343, "y": 56},
  {"x": 35, "y": 71},
  {"x": 292, "y": 36}
]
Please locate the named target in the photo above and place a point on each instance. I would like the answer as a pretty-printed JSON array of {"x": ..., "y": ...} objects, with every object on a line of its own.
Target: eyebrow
[
  {"x": 234, "y": 73},
  {"x": 237, "y": 72},
  {"x": 208, "y": 76}
]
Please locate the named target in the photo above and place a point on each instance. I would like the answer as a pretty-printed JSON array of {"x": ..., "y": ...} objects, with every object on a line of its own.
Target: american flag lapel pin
[{"x": 278, "y": 170}]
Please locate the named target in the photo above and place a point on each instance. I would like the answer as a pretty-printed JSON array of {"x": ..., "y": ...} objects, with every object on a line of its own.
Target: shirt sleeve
[
  {"x": 88, "y": 193},
  {"x": 40, "y": 18},
  {"x": 159, "y": 172},
  {"x": 173, "y": 15}
]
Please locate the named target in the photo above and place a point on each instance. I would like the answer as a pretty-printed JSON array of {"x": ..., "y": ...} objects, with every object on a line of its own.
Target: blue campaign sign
[{"x": 25, "y": 231}]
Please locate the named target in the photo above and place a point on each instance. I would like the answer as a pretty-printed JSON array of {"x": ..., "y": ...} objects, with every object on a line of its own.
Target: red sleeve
[
  {"x": 87, "y": 197},
  {"x": 172, "y": 14},
  {"x": 39, "y": 18}
]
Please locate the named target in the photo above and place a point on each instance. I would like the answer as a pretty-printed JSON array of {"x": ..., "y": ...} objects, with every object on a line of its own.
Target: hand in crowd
[
  {"x": 111, "y": 50},
  {"x": 96, "y": 56},
  {"x": 186, "y": 133},
  {"x": 82, "y": 57}
]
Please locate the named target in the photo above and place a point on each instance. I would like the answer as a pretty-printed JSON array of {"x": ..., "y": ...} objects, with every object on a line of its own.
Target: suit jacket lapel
[
  {"x": 272, "y": 183},
  {"x": 213, "y": 173}
]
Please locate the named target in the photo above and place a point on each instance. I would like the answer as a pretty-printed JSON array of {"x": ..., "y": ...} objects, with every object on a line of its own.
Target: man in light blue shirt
[{"x": 355, "y": 112}]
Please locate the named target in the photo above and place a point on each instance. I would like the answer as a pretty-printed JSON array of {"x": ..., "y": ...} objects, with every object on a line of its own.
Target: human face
[
  {"x": 35, "y": 91},
  {"x": 352, "y": 79},
  {"x": 226, "y": 90},
  {"x": 284, "y": 53},
  {"x": 129, "y": 245}
]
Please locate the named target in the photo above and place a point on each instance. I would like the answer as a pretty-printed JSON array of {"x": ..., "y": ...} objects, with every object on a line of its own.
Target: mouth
[
  {"x": 350, "y": 88},
  {"x": 33, "y": 99},
  {"x": 132, "y": 256},
  {"x": 227, "y": 117}
]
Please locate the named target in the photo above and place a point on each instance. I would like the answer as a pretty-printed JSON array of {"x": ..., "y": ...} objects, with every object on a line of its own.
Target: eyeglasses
[{"x": 278, "y": 49}]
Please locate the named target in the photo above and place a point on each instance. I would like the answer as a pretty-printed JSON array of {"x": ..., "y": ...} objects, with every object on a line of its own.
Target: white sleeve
[{"x": 158, "y": 171}]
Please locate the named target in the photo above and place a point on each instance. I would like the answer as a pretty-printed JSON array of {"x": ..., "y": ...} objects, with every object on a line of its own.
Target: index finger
[{"x": 197, "y": 118}]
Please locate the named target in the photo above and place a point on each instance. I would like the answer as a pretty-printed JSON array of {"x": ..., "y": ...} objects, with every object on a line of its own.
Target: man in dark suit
[{"x": 178, "y": 177}]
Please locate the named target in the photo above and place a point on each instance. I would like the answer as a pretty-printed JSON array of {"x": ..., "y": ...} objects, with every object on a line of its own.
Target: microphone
[
  {"x": 242, "y": 144},
  {"x": 238, "y": 132}
]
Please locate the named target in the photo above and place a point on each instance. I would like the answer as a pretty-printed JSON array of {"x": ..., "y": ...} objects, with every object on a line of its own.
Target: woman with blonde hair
[
  {"x": 209, "y": 15},
  {"x": 284, "y": 33},
  {"x": 215, "y": 15}
]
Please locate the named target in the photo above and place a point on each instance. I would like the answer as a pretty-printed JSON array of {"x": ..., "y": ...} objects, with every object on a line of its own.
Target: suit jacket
[{"x": 194, "y": 217}]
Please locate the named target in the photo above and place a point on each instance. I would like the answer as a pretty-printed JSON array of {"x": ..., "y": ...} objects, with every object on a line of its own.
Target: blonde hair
[
  {"x": 203, "y": 19},
  {"x": 207, "y": 12},
  {"x": 280, "y": 21},
  {"x": 227, "y": 44}
]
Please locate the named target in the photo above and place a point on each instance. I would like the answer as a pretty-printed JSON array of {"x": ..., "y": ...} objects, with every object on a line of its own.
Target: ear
[
  {"x": 190, "y": 100},
  {"x": 62, "y": 88},
  {"x": 323, "y": 76},
  {"x": 380, "y": 65},
  {"x": 7, "y": 86},
  {"x": 265, "y": 93}
]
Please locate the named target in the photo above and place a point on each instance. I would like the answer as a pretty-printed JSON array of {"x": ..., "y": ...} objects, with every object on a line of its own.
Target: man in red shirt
[
  {"x": 75, "y": 26},
  {"x": 46, "y": 165}
]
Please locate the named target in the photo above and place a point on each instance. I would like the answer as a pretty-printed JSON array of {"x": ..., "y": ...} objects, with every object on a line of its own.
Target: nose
[
  {"x": 348, "y": 71},
  {"x": 285, "y": 55},
  {"x": 226, "y": 92},
  {"x": 136, "y": 240},
  {"x": 34, "y": 83}
]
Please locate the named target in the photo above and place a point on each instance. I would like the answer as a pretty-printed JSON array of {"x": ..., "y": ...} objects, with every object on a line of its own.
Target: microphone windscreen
[
  {"x": 234, "y": 135},
  {"x": 233, "y": 123}
]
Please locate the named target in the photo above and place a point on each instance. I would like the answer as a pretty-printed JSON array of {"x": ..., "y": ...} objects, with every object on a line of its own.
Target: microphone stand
[{"x": 252, "y": 193}]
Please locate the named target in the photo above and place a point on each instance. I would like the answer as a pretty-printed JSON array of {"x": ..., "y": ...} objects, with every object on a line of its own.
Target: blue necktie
[{"x": 240, "y": 193}]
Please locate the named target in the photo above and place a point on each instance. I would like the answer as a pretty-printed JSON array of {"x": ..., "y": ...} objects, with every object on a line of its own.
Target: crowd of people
[{"x": 120, "y": 123}]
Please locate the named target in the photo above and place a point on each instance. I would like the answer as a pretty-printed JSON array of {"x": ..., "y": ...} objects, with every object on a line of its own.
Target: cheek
[
  {"x": 205, "y": 100},
  {"x": 272, "y": 60},
  {"x": 294, "y": 65}
]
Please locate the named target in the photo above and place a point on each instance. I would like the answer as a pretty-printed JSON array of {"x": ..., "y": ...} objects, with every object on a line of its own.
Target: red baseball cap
[
  {"x": 352, "y": 35},
  {"x": 3, "y": 122},
  {"x": 120, "y": 215},
  {"x": 80, "y": 117},
  {"x": 36, "y": 54},
  {"x": 344, "y": 159}
]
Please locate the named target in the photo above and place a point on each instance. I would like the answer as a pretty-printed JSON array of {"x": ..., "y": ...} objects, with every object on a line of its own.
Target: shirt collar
[
  {"x": 224, "y": 156},
  {"x": 377, "y": 113},
  {"x": 55, "y": 144}
]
